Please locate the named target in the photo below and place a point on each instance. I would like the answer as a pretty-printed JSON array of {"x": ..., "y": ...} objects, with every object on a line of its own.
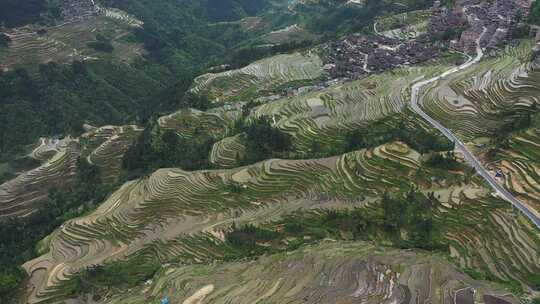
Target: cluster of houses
[
  {"x": 491, "y": 21},
  {"x": 76, "y": 10},
  {"x": 466, "y": 22},
  {"x": 356, "y": 56}
]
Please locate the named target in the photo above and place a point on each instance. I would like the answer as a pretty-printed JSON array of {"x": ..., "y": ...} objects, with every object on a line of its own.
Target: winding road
[{"x": 471, "y": 159}]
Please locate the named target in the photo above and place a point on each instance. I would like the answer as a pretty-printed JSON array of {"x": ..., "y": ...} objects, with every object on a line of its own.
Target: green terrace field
[
  {"x": 261, "y": 180},
  {"x": 320, "y": 114},
  {"x": 319, "y": 118},
  {"x": 102, "y": 147},
  {"x": 288, "y": 34},
  {"x": 472, "y": 102},
  {"x": 260, "y": 75},
  {"x": 328, "y": 272},
  {"x": 174, "y": 215},
  {"x": 406, "y": 25},
  {"x": 496, "y": 98},
  {"x": 70, "y": 41},
  {"x": 217, "y": 121},
  {"x": 20, "y": 195},
  {"x": 105, "y": 148},
  {"x": 518, "y": 159}
]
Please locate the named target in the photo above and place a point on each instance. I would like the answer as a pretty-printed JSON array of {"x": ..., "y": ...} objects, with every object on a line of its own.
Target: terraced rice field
[
  {"x": 288, "y": 34},
  {"x": 226, "y": 152},
  {"x": 174, "y": 216},
  {"x": 473, "y": 103},
  {"x": 120, "y": 15},
  {"x": 181, "y": 216},
  {"x": 468, "y": 102},
  {"x": 259, "y": 75},
  {"x": 163, "y": 210},
  {"x": 487, "y": 235},
  {"x": 217, "y": 121},
  {"x": 103, "y": 147},
  {"x": 321, "y": 114},
  {"x": 66, "y": 42},
  {"x": 326, "y": 273},
  {"x": 106, "y": 146},
  {"x": 520, "y": 164},
  {"x": 19, "y": 196},
  {"x": 404, "y": 26}
]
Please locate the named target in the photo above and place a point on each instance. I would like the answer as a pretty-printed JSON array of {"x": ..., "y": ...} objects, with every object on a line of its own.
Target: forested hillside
[
  {"x": 15, "y": 13},
  {"x": 56, "y": 99},
  {"x": 181, "y": 39},
  {"x": 268, "y": 151},
  {"x": 59, "y": 99}
]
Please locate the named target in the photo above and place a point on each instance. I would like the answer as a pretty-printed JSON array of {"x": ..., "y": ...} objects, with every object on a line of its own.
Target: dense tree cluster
[
  {"x": 246, "y": 55},
  {"x": 17, "y": 13},
  {"x": 12, "y": 164},
  {"x": 448, "y": 34},
  {"x": 156, "y": 148},
  {"x": 514, "y": 121},
  {"x": 167, "y": 150},
  {"x": 393, "y": 128},
  {"x": 535, "y": 280},
  {"x": 405, "y": 220},
  {"x": 179, "y": 34},
  {"x": 229, "y": 10},
  {"x": 4, "y": 40},
  {"x": 351, "y": 18},
  {"x": 101, "y": 44},
  {"x": 246, "y": 237},
  {"x": 120, "y": 274},
  {"x": 59, "y": 99},
  {"x": 263, "y": 141},
  {"x": 534, "y": 14},
  {"x": 446, "y": 161},
  {"x": 412, "y": 214}
]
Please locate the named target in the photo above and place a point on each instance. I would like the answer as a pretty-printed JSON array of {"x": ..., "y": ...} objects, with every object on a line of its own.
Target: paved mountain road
[{"x": 471, "y": 159}]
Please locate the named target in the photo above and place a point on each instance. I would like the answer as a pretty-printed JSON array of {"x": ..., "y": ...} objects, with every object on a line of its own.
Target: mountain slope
[
  {"x": 327, "y": 273},
  {"x": 269, "y": 167}
]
